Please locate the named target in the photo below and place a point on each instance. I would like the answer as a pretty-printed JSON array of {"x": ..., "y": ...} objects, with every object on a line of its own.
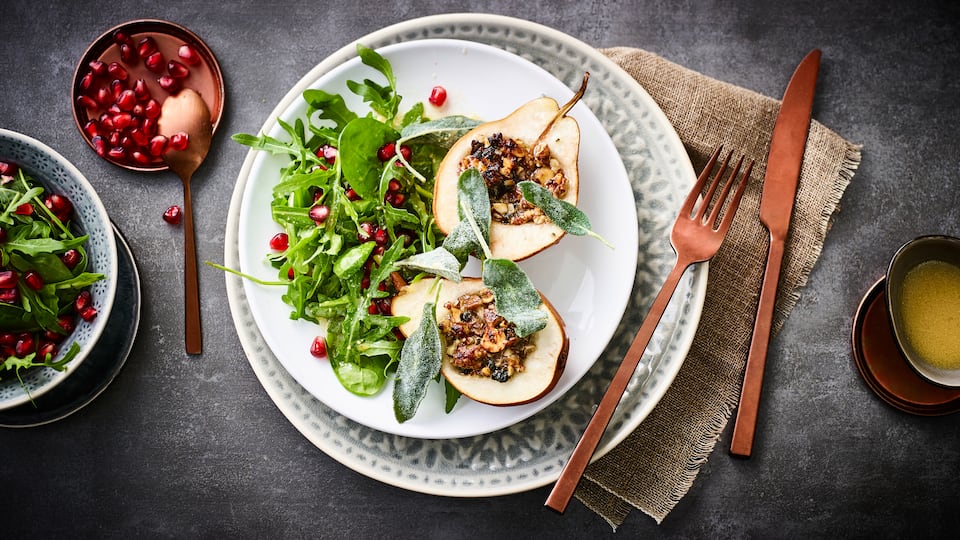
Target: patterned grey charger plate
[{"x": 531, "y": 453}]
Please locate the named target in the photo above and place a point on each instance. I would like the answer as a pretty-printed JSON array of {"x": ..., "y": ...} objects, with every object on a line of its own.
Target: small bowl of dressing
[{"x": 923, "y": 301}]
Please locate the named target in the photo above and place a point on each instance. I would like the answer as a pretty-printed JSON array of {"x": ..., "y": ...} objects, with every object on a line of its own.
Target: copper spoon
[{"x": 187, "y": 112}]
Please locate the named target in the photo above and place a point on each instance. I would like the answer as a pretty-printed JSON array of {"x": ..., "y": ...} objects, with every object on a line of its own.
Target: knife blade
[{"x": 776, "y": 209}]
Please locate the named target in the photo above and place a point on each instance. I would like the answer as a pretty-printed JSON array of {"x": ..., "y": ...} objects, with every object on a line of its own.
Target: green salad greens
[
  {"x": 44, "y": 280},
  {"x": 354, "y": 202},
  {"x": 354, "y": 199}
]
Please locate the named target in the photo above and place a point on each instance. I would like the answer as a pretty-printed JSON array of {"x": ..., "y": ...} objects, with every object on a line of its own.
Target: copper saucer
[{"x": 884, "y": 368}]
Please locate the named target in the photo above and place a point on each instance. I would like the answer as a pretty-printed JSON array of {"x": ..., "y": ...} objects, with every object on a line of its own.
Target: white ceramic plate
[
  {"x": 586, "y": 281},
  {"x": 529, "y": 453}
]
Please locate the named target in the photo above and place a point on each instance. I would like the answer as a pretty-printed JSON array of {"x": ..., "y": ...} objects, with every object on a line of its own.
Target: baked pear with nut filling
[
  {"x": 537, "y": 142},
  {"x": 483, "y": 357}
]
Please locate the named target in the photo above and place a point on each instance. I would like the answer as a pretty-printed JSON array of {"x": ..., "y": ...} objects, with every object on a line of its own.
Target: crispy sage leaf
[
  {"x": 517, "y": 299},
  {"x": 438, "y": 262},
  {"x": 420, "y": 360},
  {"x": 563, "y": 214},
  {"x": 472, "y": 194}
]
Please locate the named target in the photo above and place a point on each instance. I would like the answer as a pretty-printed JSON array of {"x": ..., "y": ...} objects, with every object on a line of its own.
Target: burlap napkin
[{"x": 655, "y": 466}]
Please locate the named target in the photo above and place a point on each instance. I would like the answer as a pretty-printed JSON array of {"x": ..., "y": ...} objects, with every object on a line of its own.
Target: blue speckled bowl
[{"x": 58, "y": 175}]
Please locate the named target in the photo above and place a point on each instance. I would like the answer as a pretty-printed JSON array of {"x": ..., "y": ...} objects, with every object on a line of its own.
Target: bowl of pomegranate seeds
[
  {"x": 123, "y": 78},
  {"x": 58, "y": 268}
]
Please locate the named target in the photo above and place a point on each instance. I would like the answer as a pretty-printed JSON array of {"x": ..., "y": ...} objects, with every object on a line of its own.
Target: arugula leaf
[
  {"x": 384, "y": 100},
  {"x": 563, "y": 214},
  {"x": 328, "y": 106}
]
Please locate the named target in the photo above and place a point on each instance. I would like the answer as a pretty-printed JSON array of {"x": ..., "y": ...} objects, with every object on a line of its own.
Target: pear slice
[
  {"x": 542, "y": 367},
  {"x": 538, "y": 124}
]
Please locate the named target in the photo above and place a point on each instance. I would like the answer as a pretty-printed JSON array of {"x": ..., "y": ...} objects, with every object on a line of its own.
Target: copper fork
[{"x": 696, "y": 237}]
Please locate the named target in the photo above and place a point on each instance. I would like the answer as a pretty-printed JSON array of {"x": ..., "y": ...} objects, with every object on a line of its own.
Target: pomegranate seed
[
  {"x": 128, "y": 54},
  {"x": 405, "y": 152},
  {"x": 379, "y": 250},
  {"x": 117, "y": 71},
  {"x": 91, "y": 128},
  {"x": 328, "y": 153},
  {"x": 86, "y": 102},
  {"x": 438, "y": 95},
  {"x": 154, "y": 62},
  {"x": 393, "y": 186},
  {"x": 395, "y": 199},
  {"x": 116, "y": 88},
  {"x": 120, "y": 37},
  {"x": 127, "y": 100},
  {"x": 47, "y": 349},
  {"x": 152, "y": 108},
  {"x": 290, "y": 273},
  {"x": 104, "y": 96},
  {"x": 146, "y": 47},
  {"x": 383, "y": 304},
  {"x": 177, "y": 70},
  {"x": 319, "y": 347},
  {"x": 169, "y": 84},
  {"x": 280, "y": 242},
  {"x": 99, "y": 145},
  {"x": 58, "y": 204},
  {"x": 10, "y": 296},
  {"x": 352, "y": 195},
  {"x": 98, "y": 68},
  {"x": 89, "y": 313},
  {"x": 71, "y": 258},
  {"x": 381, "y": 237},
  {"x": 158, "y": 145},
  {"x": 173, "y": 215},
  {"x": 387, "y": 151},
  {"x": 149, "y": 126},
  {"x": 106, "y": 121},
  {"x": 365, "y": 232},
  {"x": 25, "y": 345},
  {"x": 319, "y": 213},
  {"x": 123, "y": 120},
  {"x": 82, "y": 301},
  {"x": 24, "y": 209},
  {"x": 188, "y": 54},
  {"x": 8, "y": 338},
  {"x": 8, "y": 279},
  {"x": 3, "y": 235},
  {"x": 7, "y": 168},
  {"x": 372, "y": 308},
  {"x": 33, "y": 280},
  {"x": 140, "y": 158},
  {"x": 114, "y": 138},
  {"x": 141, "y": 90},
  {"x": 118, "y": 153},
  {"x": 318, "y": 194},
  {"x": 86, "y": 83},
  {"x": 67, "y": 322},
  {"x": 179, "y": 141},
  {"x": 140, "y": 137}
]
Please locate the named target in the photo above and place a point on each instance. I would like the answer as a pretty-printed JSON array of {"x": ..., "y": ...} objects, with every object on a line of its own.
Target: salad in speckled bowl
[{"x": 58, "y": 268}]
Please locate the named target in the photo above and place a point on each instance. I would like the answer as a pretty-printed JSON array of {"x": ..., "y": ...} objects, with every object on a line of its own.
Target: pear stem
[{"x": 538, "y": 146}]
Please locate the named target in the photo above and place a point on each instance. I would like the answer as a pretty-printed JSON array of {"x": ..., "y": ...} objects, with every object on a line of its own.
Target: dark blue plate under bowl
[{"x": 102, "y": 365}]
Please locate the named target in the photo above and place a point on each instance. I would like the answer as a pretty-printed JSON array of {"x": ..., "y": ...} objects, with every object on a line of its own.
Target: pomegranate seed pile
[
  {"x": 122, "y": 112},
  {"x": 44, "y": 313}
]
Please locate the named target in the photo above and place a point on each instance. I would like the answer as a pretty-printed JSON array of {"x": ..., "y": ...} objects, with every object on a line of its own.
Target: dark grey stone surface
[{"x": 186, "y": 446}]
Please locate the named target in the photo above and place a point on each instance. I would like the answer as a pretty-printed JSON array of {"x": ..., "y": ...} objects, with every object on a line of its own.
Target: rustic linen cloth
[{"x": 653, "y": 468}]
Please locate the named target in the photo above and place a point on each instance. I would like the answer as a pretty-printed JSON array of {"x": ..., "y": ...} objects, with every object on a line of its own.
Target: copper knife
[{"x": 776, "y": 208}]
